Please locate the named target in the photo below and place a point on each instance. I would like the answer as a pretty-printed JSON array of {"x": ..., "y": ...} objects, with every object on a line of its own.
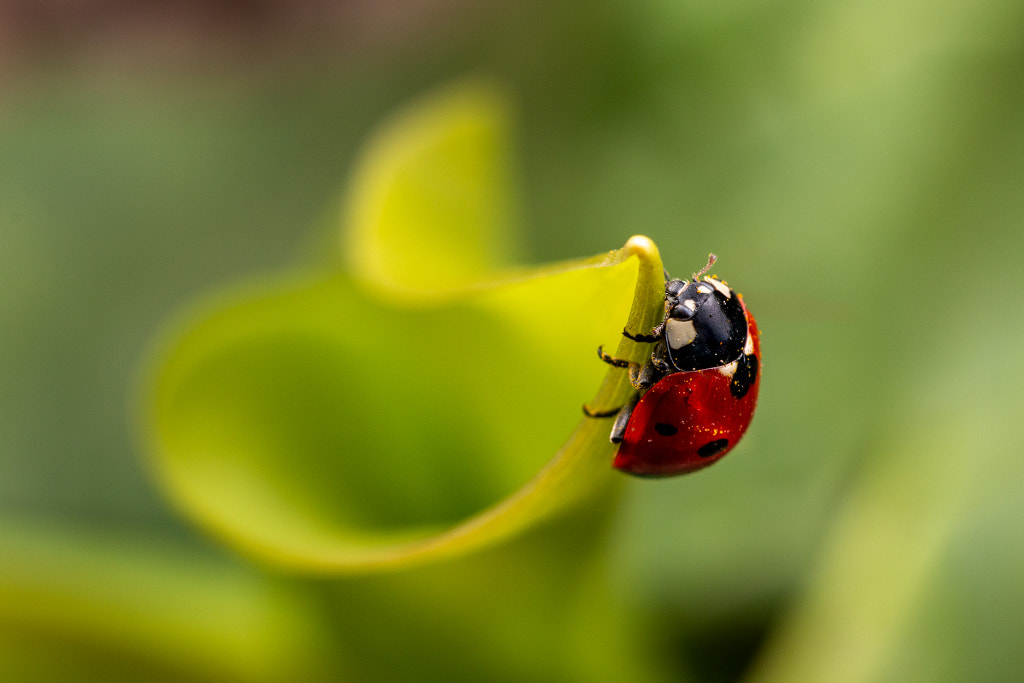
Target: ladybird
[{"x": 696, "y": 394}]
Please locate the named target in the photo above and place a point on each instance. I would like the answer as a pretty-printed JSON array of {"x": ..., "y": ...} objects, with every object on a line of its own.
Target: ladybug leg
[
  {"x": 654, "y": 336},
  {"x": 600, "y": 413},
  {"x": 640, "y": 376},
  {"x": 643, "y": 377},
  {"x": 619, "y": 428},
  {"x": 661, "y": 361},
  {"x": 611, "y": 360},
  {"x": 672, "y": 289}
]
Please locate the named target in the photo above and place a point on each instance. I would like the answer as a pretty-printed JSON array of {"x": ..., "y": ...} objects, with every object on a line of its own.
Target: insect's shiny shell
[
  {"x": 689, "y": 420},
  {"x": 705, "y": 324}
]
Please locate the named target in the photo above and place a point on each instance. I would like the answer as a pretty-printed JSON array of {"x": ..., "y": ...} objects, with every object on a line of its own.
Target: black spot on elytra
[
  {"x": 712, "y": 448},
  {"x": 665, "y": 429},
  {"x": 743, "y": 378}
]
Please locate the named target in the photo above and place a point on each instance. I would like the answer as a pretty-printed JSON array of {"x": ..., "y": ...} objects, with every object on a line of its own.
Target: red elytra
[{"x": 708, "y": 420}]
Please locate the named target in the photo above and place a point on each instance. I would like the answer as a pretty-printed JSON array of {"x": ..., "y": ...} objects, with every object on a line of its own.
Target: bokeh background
[{"x": 857, "y": 167}]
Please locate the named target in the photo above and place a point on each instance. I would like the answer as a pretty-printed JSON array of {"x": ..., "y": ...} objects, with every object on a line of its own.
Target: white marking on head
[
  {"x": 730, "y": 369},
  {"x": 726, "y": 292},
  {"x": 690, "y": 305},
  {"x": 703, "y": 289},
  {"x": 679, "y": 333}
]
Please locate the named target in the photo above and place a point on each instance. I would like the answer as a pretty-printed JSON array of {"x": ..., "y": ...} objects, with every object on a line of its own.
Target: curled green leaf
[
  {"x": 299, "y": 423},
  {"x": 422, "y": 407}
]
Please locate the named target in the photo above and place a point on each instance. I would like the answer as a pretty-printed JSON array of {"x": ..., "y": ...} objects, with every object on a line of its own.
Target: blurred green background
[{"x": 858, "y": 169}]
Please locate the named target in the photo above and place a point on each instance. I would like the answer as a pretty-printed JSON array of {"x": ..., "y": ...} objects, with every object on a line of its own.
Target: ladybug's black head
[{"x": 705, "y": 326}]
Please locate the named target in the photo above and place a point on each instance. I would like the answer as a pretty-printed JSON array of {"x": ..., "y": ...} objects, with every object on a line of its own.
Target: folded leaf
[
  {"x": 422, "y": 407},
  {"x": 314, "y": 427}
]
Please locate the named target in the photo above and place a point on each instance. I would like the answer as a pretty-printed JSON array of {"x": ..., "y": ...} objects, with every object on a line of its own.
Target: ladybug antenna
[{"x": 711, "y": 261}]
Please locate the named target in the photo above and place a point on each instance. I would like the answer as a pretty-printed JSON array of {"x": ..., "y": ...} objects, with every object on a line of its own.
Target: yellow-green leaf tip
[{"x": 429, "y": 208}]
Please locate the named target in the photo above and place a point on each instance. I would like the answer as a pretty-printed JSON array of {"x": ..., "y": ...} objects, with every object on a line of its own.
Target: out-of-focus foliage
[
  {"x": 856, "y": 166},
  {"x": 80, "y": 605}
]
